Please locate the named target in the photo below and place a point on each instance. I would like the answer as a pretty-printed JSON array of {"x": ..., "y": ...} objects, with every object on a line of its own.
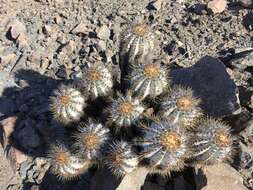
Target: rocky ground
[{"x": 43, "y": 42}]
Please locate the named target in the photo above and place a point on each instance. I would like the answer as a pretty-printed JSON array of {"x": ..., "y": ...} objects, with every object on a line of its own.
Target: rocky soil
[{"x": 43, "y": 42}]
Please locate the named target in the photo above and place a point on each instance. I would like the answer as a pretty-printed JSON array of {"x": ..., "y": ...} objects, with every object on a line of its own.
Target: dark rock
[
  {"x": 62, "y": 73},
  {"x": 248, "y": 21},
  {"x": 170, "y": 48},
  {"x": 199, "y": 9},
  {"x": 210, "y": 82}
]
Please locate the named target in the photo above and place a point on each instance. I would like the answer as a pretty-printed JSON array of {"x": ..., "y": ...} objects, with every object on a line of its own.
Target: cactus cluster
[{"x": 120, "y": 133}]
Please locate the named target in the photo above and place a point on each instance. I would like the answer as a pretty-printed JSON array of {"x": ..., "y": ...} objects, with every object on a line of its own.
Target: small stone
[
  {"x": 47, "y": 29},
  {"x": 57, "y": 19},
  {"x": 103, "y": 32},
  {"x": 7, "y": 125},
  {"x": 62, "y": 72},
  {"x": 17, "y": 28},
  {"x": 44, "y": 64},
  {"x": 217, "y": 6},
  {"x": 246, "y": 3},
  {"x": 156, "y": 4},
  {"x": 199, "y": 9},
  {"x": 80, "y": 28},
  {"x": 220, "y": 176}
]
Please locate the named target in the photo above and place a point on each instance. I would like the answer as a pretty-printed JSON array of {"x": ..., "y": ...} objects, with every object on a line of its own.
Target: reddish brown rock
[
  {"x": 16, "y": 156},
  {"x": 7, "y": 125},
  {"x": 217, "y": 6}
]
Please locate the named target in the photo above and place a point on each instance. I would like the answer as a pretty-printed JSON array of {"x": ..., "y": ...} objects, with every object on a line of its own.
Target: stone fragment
[{"x": 217, "y": 6}]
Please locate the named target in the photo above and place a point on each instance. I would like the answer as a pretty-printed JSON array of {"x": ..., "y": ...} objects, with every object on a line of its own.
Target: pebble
[
  {"x": 246, "y": 3},
  {"x": 7, "y": 126},
  {"x": 103, "y": 32},
  {"x": 217, "y": 6}
]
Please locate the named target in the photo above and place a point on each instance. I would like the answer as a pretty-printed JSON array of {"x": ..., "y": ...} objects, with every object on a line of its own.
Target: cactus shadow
[{"x": 28, "y": 103}]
